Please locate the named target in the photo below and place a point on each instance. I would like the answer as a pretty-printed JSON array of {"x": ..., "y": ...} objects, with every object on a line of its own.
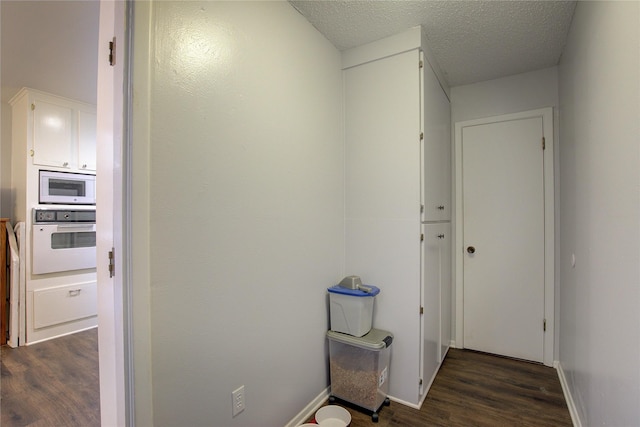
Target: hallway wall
[{"x": 599, "y": 80}]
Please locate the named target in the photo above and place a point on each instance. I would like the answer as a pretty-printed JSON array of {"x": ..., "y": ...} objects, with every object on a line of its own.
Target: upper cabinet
[
  {"x": 60, "y": 133},
  {"x": 436, "y": 150}
]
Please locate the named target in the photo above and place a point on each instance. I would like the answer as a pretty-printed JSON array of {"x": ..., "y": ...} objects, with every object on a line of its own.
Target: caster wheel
[
  {"x": 387, "y": 402},
  {"x": 374, "y": 417},
  {"x": 332, "y": 399}
]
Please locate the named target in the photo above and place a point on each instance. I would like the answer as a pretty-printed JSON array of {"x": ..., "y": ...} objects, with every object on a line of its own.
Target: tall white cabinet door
[
  {"x": 431, "y": 272},
  {"x": 86, "y": 140},
  {"x": 382, "y": 201},
  {"x": 444, "y": 239},
  {"x": 437, "y": 150},
  {"x": 52, "y": 141}
]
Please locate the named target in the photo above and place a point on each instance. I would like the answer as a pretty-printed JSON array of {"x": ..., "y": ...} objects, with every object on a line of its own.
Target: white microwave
[{"x": 67, "y": 188}]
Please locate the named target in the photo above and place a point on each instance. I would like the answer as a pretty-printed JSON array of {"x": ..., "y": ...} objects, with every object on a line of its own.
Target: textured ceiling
[{"x": 471, "y": 40}]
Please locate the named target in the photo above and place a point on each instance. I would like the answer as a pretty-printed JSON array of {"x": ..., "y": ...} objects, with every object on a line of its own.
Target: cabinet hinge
[
  {"x": 421, "y": 208},
  {"x": 544, "y": 325},
  {"x": 422, "y": 237},
  {"x": 543, "y": 143},
  {"x": 421, "y": 310},
  {"x": 33, "y": 106},
  {"x": 421, "y": 136},
  {"x": 421, "y": 64},
  {"x": 420, "y": 381},
  {"x": 112, "y": 262},
  {"x": 112, "y": 52}
]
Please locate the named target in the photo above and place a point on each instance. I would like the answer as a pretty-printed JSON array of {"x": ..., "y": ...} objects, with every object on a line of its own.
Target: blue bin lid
[{"x": 337, "y": 289}]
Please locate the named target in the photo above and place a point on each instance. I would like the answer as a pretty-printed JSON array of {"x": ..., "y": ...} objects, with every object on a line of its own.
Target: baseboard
[
  {"x": 403, "y": 402},
  {"x": 310, "y": 409},
  {"x": 573, "y": 411}
]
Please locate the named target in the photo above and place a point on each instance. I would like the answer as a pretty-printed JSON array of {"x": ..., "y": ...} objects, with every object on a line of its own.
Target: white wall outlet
[{"x": 238, "y": 400}]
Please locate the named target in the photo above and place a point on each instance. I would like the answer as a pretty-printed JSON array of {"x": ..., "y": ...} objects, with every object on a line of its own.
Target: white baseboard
[
  {"x": 403, "y": 402},
  {"x": 575, "y": 418},
  {"x": 310, "y": 409}
]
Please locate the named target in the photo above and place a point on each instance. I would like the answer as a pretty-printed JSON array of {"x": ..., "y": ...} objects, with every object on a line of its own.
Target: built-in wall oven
[{"x": 63, "y": 240}]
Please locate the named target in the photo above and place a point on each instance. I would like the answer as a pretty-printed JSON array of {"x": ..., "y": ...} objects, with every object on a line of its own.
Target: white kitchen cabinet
[
  {"x": 61, "y": 132},
  {"x": 86, "y": 140},
  {"x": 52, "y": 143},
  {"x": 396, "y": 162},
  {"x": 52, "y": 133},
  {"x": 436, "y": 150}
]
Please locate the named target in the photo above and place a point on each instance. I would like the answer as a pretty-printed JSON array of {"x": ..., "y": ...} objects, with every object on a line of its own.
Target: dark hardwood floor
[
  {"x": 53, "y": 383},
  {"x": 477, "y": 389}
]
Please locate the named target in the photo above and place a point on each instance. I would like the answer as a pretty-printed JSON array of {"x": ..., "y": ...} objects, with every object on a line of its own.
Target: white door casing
[
  {"x": 506, "y": 299},
  {"x": 109, "y": 125}
]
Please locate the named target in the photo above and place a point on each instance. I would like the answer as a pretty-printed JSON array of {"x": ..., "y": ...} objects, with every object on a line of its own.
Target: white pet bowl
[{"x": 333, "y": 416}]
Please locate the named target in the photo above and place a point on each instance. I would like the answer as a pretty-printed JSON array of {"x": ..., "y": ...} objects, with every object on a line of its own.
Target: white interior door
[{"x": 504, "y": 237}]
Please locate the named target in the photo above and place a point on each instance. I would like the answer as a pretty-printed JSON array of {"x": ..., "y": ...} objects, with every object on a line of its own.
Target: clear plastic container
[{"x": 359, "y": 367}]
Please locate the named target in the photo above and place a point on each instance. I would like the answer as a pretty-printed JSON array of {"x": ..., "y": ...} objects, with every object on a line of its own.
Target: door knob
[{"x": 471, "y": 250}]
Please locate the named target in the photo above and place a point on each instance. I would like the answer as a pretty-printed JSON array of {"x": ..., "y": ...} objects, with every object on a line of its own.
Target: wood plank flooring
[
  {"x": 477, "y": 389},
  {"x": 52, "y": 383}
]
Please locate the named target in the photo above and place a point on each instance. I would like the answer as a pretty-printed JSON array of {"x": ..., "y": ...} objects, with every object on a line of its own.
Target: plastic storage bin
[
  {"x": 351, "y": 310},
  {"x": 359, "y": 368}
]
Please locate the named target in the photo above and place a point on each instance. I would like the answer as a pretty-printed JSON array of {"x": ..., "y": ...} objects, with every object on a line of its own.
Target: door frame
[
  {"x": 114, "y": 337},
  {"x": 549, "y": 221}
]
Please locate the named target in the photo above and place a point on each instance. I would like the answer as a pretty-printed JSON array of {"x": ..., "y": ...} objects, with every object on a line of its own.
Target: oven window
[
  {"x": 67, "y": 187},
  {"x": 73, "y": 239}
]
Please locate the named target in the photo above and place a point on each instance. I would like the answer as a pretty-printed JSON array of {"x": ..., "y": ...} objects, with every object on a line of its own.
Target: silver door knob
[{"x": 471, "y": 250}]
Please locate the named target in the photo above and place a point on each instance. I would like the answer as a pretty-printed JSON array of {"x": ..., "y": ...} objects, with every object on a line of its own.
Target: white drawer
[{"x": 53, "y": 306}]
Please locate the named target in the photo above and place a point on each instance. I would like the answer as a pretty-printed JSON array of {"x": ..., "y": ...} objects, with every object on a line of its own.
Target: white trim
[
  {"x": 549, "y": 244},
  {"x": 393, "y": 45},
  {"x": 404, "y": 402},
  {"x": 573, "y": 411},
  {"x": 310, "y": 409}
]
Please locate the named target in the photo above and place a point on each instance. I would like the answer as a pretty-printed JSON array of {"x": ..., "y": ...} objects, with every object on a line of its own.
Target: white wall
[
  {"x": 50, "y": 46},
  {"x": 246, "y": 203},
  {"x": 599, "y": 78},
  {"x": 512, "y": 94}
]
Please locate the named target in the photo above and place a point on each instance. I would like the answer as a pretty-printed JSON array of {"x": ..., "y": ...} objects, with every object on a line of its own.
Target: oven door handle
[{"x": 76, "y": 227}]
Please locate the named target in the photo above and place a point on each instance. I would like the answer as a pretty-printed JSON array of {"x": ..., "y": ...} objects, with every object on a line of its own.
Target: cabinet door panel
[
  {"x": 437, "y": 150},
  {"x": 51, "y": 135},
  {"x": 86, "y": 141},
  {"x": 445, "y": 289}
]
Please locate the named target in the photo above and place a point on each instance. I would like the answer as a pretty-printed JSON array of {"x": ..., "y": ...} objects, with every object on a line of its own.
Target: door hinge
[
  {"x": 112, "y": 262},
  {"x": 421, "y": 310},
  {"x": 421, "y": 64},
  {"x": 544, "y": 325},
  {"x": 112, "y": 52},
  {"x": 543, "y": 143}
]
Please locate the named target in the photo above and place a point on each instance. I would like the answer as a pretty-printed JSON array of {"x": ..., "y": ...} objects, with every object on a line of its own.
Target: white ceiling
[{"x": 472, "y": 41}]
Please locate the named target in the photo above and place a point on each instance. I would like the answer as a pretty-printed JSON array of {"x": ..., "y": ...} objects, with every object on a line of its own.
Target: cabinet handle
[
  {"x": 84, "y": 166},
  {"x": 440, "y": 208},
  {"x": 74, "y": 292},
  {"x": 440, "y": 236},
  {"x": 65, "y": 164},
  {"x": 471, "y": 250}
]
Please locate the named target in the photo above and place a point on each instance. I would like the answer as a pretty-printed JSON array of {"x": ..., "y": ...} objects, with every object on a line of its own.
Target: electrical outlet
[{"x": 238, "y": 400}]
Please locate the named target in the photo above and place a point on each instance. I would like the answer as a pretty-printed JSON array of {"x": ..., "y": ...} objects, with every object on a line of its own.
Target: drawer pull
[{"x": 74, "y": 292}]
